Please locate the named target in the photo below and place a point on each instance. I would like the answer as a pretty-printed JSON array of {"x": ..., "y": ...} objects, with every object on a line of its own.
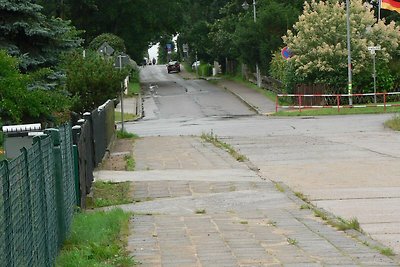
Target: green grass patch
[
  {"x": 130, "y": 163},
  {"x": 270, "y": 95},
  {"x": 213, "y": 139},
  {"x": 127, "y": 116},
  {"x": 111, "y": 194},
  {"x": 133, "y": 88},
  {"x": 394, "y": 123},
  {"x": 97, "y": 239},
  {"x": 385, "y": 251},
  {"x": 125, "y": 135},
  {"x": 334, "y": 111}
]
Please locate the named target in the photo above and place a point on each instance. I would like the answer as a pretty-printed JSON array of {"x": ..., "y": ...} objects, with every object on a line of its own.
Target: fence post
[
  {"x": 338, "y": 103},
  {"x": 276, "y": 104},
  {"x": 31, "y": 247},
  {"x": 384, "y": 101},
  {"x": 9, "y": 233},
  {"x": 300, "y": 103},
  {"x": 76, "y": 130},
  {"x": 38, "y": 139},
  {"x": 55, "y": 136}
]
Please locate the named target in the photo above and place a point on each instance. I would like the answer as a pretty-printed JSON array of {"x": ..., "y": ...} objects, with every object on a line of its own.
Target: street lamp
[
  {"x": 245, "y": 6},
  {"x": 349, "y": 73}
]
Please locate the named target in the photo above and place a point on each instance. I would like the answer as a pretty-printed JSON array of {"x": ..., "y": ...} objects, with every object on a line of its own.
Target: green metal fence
[{"x": 37, "y": 200}]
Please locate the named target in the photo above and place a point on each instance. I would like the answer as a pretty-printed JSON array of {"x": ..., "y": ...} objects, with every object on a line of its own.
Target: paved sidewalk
[
  {"x": 189, "y": 214},
  {"x": 253, "y": 98},
  {"x": 130, "y": 106}
]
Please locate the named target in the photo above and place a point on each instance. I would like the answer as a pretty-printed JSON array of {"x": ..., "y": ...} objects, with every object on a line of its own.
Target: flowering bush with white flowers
[{"x": 318, "y": 42}]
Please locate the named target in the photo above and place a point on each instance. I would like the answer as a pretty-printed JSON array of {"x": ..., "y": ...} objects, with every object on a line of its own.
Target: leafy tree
[
  {"x": 20, "y": 104},
  {"x": 319, "y": 42},
  {"x": 92, "y": 80},
  {"x": 35, "y": 39},
  {"x": 114, "y": 41},
  {"x": 138, "y": 22}
]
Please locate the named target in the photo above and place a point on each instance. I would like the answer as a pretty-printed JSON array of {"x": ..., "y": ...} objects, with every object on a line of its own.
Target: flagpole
[{"x": 379, "y": 10}]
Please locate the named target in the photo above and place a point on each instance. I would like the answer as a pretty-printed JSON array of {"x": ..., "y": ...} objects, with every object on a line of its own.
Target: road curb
[{"x": 252, "y": 107}]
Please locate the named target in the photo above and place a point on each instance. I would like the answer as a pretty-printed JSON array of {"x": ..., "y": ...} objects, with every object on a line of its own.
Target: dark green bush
[{"x": 205, "y": 70}]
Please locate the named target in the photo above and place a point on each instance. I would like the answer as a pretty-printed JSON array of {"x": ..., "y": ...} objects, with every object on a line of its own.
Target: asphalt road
[
  {"x": 170, "y": 96},
  {"x": 348, "y": 165}
]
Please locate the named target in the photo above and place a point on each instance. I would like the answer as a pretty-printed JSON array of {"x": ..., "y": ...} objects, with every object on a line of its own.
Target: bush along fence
[{"x": 40, "y": 188}]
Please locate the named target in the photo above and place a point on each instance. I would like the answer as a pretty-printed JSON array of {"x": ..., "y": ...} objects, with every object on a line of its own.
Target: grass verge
[
  {"x": 270, "y": 95},
  {"x": 394, "y": 123},
  {"x": 97, "y": 239},
  {"x": 125, "y": 135},
  {"x": 133, "y": 88},
  {"x": 110, "y": 194},
  {"x": 127, "y": 116},
  {"x": 334, "y": 111},
  {"x": 213, "y": 139}
]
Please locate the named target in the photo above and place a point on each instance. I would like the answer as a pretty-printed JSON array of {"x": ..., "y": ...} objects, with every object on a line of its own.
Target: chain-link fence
[{"x": 37, "y": 200}]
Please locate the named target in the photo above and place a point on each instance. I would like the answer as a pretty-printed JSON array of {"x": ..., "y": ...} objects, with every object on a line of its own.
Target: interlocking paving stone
[{"x": 245, "y": 223}]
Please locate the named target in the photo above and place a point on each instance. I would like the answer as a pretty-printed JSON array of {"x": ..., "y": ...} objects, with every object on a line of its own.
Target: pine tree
[{"x": 36, "y": 40}]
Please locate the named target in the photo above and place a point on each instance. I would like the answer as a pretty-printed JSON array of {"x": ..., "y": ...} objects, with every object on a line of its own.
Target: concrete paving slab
[{"x": 225, "y": 216}]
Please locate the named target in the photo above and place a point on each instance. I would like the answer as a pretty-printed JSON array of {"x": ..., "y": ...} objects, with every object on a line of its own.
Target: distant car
[
  {"x": 195, "y": 65},
  {"x": 173, "y": 66}
]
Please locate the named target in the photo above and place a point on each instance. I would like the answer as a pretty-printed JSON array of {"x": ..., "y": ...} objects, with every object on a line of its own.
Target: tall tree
[
  {"x": 27, "y": 33},
  {"x": 318, "y": 42}
]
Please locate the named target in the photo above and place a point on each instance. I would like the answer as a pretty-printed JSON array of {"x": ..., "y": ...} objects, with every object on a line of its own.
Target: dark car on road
[{"x": 173, "y": 66}]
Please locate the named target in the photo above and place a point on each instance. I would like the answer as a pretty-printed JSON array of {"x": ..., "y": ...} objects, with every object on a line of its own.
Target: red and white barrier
[{"x": 338, "y": 97}]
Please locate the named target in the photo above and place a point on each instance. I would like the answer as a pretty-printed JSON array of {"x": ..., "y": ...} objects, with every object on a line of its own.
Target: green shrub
[
  {"x": 114, "y": 41},
  {"x": 205, "y": 70}
]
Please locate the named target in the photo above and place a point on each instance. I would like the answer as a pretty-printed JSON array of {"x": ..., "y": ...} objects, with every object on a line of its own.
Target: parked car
[{"x": 173, "y": 66}]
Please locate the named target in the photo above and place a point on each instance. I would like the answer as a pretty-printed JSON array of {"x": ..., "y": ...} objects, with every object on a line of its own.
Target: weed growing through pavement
[
  {"x": 385, "y": 251},
  {"x": 320, "y": 214},
  {"x": 292, "y": 241},
  {"x": 213, "y": 139},
  {"x": 244, "y": 222},
  {"x": 279, "y": 187},
  {"x": 394, "y": 123},
  {"x": 272, "y": 223},
  {"x": 343, "y": 225},
  {"x": 305, "y": 207},
  {"x": 129, "y": 163},
  {"x": 200, "y": 211},
  {"x": 302, "y": 197}
]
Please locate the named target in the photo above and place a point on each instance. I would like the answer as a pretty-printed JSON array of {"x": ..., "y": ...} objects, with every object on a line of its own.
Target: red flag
[{"x": 393, "y": 5}]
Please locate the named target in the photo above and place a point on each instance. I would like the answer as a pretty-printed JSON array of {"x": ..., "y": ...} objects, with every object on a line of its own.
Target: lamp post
[
  {"x": 245, "y": 6},
  {"x": 349, "y": 85}
]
